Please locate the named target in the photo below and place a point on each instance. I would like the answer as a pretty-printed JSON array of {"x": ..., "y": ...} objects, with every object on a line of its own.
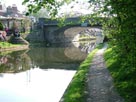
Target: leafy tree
[
  {"x": 51, "y": 5},
  {"x": 120, "y": 27}
]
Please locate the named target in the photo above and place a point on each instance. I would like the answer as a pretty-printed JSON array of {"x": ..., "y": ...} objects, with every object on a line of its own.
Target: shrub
[{"x": 1, "y": 26}]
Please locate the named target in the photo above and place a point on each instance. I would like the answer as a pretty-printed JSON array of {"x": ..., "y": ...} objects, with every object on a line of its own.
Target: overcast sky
[
  {"x": 81, "y": 6},
  {"x": 17, "y": 2}
]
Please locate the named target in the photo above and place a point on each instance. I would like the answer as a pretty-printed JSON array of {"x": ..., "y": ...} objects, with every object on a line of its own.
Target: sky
[
  {"x": 17, "y": 2},
  {"x": 81, "y": 7}
]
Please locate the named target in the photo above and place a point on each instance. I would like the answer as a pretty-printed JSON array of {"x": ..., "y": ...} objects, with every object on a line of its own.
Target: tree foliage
[
  {"x": 121, "y": 28},
  {"x": 51, "y": 5},
  {"x": 1, "y": 26}
]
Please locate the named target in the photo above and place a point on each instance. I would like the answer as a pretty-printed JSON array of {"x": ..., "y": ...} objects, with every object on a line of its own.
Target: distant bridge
[{"x": 50, "y": 31}]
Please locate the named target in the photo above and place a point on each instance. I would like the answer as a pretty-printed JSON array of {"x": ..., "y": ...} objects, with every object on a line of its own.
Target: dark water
[{"x": 40, "y": 74}]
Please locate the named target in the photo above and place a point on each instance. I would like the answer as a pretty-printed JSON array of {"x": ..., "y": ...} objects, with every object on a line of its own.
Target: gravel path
[{"x": 100, "y": 82}]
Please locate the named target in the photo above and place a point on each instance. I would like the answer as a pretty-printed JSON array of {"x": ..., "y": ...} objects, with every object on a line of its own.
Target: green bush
[
  {"x": 1, "y": 26},
  {"x": 123, "y": 72}
]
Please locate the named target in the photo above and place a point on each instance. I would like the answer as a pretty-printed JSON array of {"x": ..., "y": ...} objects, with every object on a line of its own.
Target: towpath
[{"x": 100, "y": 82}]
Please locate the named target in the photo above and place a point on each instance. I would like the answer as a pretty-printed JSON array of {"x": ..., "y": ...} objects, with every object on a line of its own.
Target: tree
[{"x": 51, "y": 5}]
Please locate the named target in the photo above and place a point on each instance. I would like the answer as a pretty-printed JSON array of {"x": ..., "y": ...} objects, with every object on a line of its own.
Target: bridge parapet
[{"x": 67, "y": 21}]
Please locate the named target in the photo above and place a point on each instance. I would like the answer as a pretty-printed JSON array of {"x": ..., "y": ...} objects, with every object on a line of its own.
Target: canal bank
[
  {"x": 77, "y": 90},
  {"x": 14, "y": 44},
  {"x": 92, "y": 82}
]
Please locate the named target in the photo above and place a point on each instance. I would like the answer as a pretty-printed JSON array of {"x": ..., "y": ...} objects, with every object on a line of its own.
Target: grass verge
[
  {"x": 76, "y": 90},
  {"x": 7, "y": 45},
  {"x": 123, "y": 73}
]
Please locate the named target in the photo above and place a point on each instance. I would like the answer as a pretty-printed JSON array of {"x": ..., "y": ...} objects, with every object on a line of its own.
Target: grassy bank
[
  {"x": 7, "y": 45},
  {"x": 123, "y": 73},
  {"x": 76, "y": 89}
]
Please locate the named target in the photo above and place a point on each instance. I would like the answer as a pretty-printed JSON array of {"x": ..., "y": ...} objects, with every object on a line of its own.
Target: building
[
  {"x": 11, "y": 11},
  {"x": 1, "y": 10}
]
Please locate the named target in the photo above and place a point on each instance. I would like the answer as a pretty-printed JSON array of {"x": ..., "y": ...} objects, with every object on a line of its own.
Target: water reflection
[
  {"x": 61, "y": 57},
  {"x": 67, "y": 56},
  {"x": 14, "y": 62},
  {"x": 86, "y": 46},
  {"x": 41, "y": 74}
]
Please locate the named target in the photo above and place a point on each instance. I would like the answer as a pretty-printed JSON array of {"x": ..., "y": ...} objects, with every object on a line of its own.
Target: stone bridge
[{"x": 52, "y": 33}]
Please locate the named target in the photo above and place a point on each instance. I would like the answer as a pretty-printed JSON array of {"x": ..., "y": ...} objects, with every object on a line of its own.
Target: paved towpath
[{"x": 100, "y": 82}]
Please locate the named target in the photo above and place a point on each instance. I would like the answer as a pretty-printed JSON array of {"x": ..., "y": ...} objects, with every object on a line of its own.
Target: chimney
[{"x": 14, "y": 8}]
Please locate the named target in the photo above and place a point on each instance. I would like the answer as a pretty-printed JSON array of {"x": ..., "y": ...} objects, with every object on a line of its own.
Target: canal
[{"x": 42, "y": 73}]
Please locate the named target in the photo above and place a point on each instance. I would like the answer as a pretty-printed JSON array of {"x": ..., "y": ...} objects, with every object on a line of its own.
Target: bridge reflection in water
[{"x": 41, "y": 74}]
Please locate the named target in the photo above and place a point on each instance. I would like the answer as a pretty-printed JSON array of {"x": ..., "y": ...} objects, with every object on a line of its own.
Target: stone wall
[{"x": 35, "y": 36}]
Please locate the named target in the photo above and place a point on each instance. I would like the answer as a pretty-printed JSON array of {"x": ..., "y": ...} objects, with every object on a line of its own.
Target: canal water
[{"x": 40, "y": 74}]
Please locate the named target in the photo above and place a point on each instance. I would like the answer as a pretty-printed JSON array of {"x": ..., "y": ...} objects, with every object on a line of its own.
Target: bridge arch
[{"x": 55, "y": 34}]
